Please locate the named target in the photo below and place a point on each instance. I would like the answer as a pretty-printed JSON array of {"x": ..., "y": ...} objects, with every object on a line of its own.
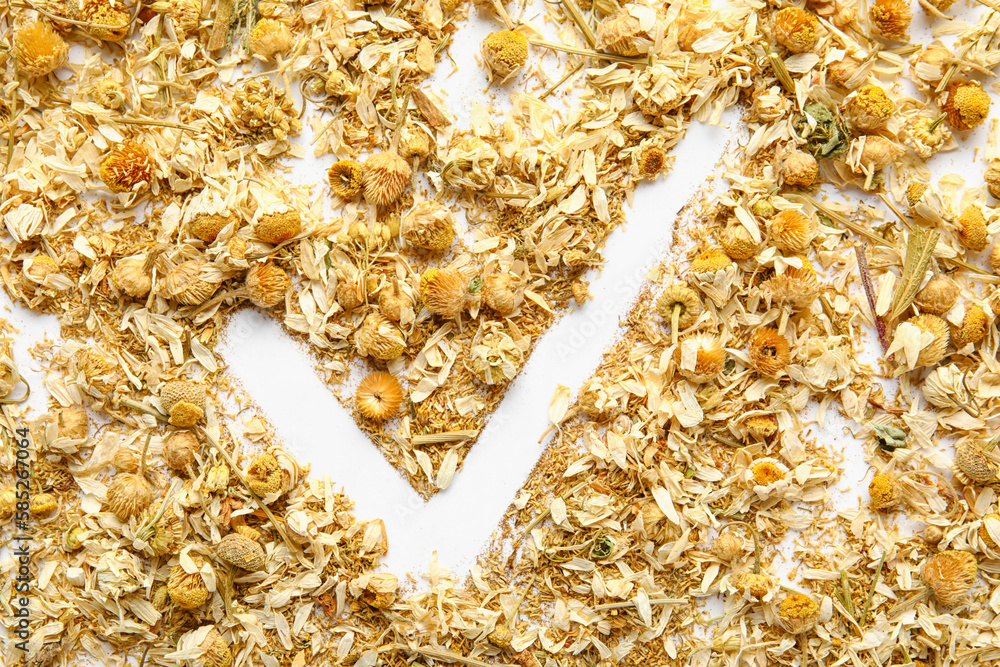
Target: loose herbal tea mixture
[{"x": 146, "y": 196}]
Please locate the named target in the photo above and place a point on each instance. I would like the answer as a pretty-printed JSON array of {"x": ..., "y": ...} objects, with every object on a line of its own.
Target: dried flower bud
[
  {"x": 845, "y": 73},
  {"x": 102, "y": 13},
  {"x": 995, "y": 258},
  {"x": 935, "y": 350},
  {"x": 445, "y": 292},
  {"x": 884, "y": 491},
  {"x": 269, "y": 38},
  {"x": 625, "y": 34},
  {"x": 658, "y": 90},
  {"x": 109, "y": 93},
  {"x": 943, "y": 386},
  {"x": 682, "y": 298},
  {"x": 891, "y": 18},
  {"x": 967, "y": 104},
  {"x": 769, "y": 352},
  {"x": 183, "y": 401},
  {"x": 700, "y": 358},
  {"x": 798, "y": 613},
  {"x": 379, "y": 396},
  {"x": 217, "y": 652},
  {"x": 72, "y": 423},
  {"x": 179, "y": 450},
  {"x": 501, "y": 637},
  {"x": 937, "y": 296},
  {"x": 727, "y": 546},
  {"x": 792, "y": 230},
  {"x": 127, "y": 168},
  {"x": 496, "y": 357},
  {"x": 876, "y": 153},
  {"x": 578, "y": 288},
  {"x": 927, "y": 135},
  {"x": 767, "y": 471},
  {"x": 42, "y": 504},
  {"x": 929, "y": 64},
  {"x": 347, "y": 178},
  {"x": 950, "y": 574},
  {"x": 504, "y": 52},
  {"x": 275, "y": 228},
  {"x": 503, "y": 292},
  {"x": 380, "y": 590},
  {"x": 650, "y": 161},
  {"x": 755, "y": 585},
  {"x": 241, "y": 552},
  {"x": 266, "y": 285},
  {"x": 992, "y": 178},
  {"x": 737, "y": 242},
  {"x": 164, "y": 536},
  {"x": 799, "y": 168},
  {"x": 265, "y": 475},
  {"x": 795, "y": 29},
  {"x": 188, "y": 591},
  {"x": 129, "y": 275},
  {"x": 8, "y": 502},
  {"x": 217, "y": 479},
  {"x": 972, "y": 464},
  {"x": 379, "y": 338},
  {"x": 206, "y": 227},
  {"x": 386, "y": 176},
  {"x": 972, "y": 229},
  {"x": 975, "y": 324},
  {"x": 38, "y": 49},
  {"x": 125, "y": 459},
  {"x": 761, "y": 426},
  {"x": 869, "y": 109},
  {"x": 393, "y": 301},
  {"x": 708, "y": 262},
  {"x": 429, "y": 224},
  {"x": 984, "y": 531},
  {"x": 188, "y": 283},
  {"x": 185, "y": 14},
  {"x": 128, "y": 495}
]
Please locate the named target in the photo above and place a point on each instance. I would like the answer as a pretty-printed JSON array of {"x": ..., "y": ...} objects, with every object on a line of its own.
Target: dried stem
[
  {"x": 576, "y": 14},
  {"x": 866, "y": 279},
  {"x": 871, "y": 591},
  {"x": 446, "y": 436}
]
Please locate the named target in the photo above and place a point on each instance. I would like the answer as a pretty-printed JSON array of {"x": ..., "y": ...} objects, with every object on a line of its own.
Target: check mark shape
[{"x": 458, "y": 522}]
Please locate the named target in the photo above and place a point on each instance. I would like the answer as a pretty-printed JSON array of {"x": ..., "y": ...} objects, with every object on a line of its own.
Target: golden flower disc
[{"x": 378, "y": 396}]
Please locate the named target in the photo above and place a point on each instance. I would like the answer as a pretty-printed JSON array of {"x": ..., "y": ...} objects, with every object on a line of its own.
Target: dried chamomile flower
[
  {"x": 792, "y": 230},
  {"x": 216, "y": 480},
  {"x": 504, "y": 52},
  {"x": 240, "y": 551},
  {"x": 632, "y": 31},
  {"x": 700, "y": 358},
  {"x": 350, "y": 292},
  {"x": 940, "y": 5},
  {"x": 949, "y": 575},
  {"x": 972, "y": 465},
  {"x": 868, "y": 109},
  {"x": 129, "y": 494},
  {"x": 338, "y": 84},
  {"x": 769, "y": 105},
  {"x": 891, "y": 18},
  {"x": 109, "y": 93},
  {"x": 127, "y": 168},
  {"x": 36, "y": 269},
  {"x": 191, "y": 283},
  {"x": 183, "y": 401},
  {"x": 206, "y": 227},
  {"x": 762, "y": 427},
  {"x": 769, "y": 352},
  {"x": 650, "y": 160},
  {"x": 927, "y": 135},
  {"x": 429, "y": 224},
  {"x": 884, "y": 491},
  {"x": 125, "y": 460},
  {"x": 992, "y": 178},
  {"x": 8, "y": 502},
  {"x": 38, "y": 49},
  {"x": 873, "y": 152},
  {"x": 937, "y": 296},
  {"x": 987, "y": 529},
  {"x": 995, "y": 258},
  {"x": 799, "y": 168},
  {"x": 796, "y": 29},
  {"x": 798, "y": 613},
  {"x": 101, "y": 13},
  {"x": 188, "y": 590},
  {"x": 767, "y": 472},
  {"x": 185, "y": 14},
  {"x": 386, "y": 176},
  {"x": 379, "y": 338},
  {"x": 276, "y": 228},
  {"x": 737, "y": 242},
  {"x": 445, "y": 292},
  {"x": 845, "y": 73},
  {"x": 472, "y": 163},
  {"x": 379, "y": 589},
  {"x": 930, "y": 63},
  {"x": 496, "y": 357},
  {"x": 268, "y": 38},
  {"x": 975, "y": 324},
  {"x": 708, "y": 262},
  {"x": 658, "y": 90},
  {"x": 72, "y": 423},
  {"x": 179, "y": 450},
  {"x": 393, "y": 301},
  {"x": 43, "y": 504},
  {"x": 162, "y": 531},
  {"x": 503, "y": 292},
  {"x": 972, "y": 228},
  {"x": 347, "y": 178},
  {"x": 681, "y": 302},
  {"x": 727, "y": 546},
  {"x": 378, "y": 396},
  {"x": 931, "y": 341},
  {"x": 944, "y": 387},
  {"x": 755, "y": 584},
  {"x": 265, "y": 285},
  {"x": 217, "y": 652},
  {"x": 265, "y": 475},
  {"x": 796, "y": 287},
  {"x": 966, "y": 103}
]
